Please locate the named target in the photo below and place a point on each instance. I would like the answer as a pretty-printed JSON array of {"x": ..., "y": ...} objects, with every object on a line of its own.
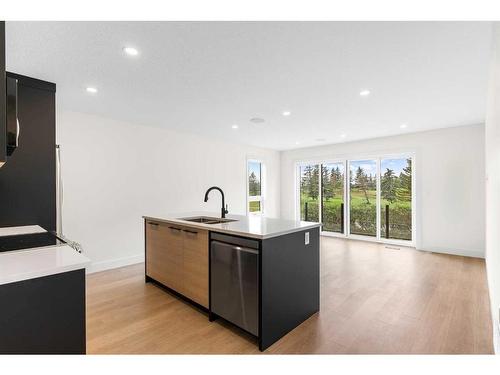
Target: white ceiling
[{"x": 203, "y": 77}]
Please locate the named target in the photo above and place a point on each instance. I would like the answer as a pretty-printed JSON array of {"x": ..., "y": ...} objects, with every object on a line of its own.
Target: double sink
[{"x": 207, "y": 220}]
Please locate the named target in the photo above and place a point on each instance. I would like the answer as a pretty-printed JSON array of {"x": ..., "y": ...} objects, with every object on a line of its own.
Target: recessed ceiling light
[
  {"x": 91, "y": 90},
  {"x": 343, "y": 135},
  {"x": 235, "y": 126},
  {"x": 403, "y": 126},
  {"x": 297, "y": 142},
  {"x": 286, "y": 113},
  {"x": 364, "y": 92},
  {"x": 131, "y": 51}
]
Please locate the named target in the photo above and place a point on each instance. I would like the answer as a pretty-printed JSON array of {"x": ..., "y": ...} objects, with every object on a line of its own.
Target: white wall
[
  {"x": 115, "y": 172},
  {"x": 493, "y": 185},
  {"x": 449, "y": 169}
]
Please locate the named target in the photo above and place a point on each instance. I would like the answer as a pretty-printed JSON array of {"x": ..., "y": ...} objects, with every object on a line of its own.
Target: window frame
[
  {"x": 346, "y": 159},
  {"x": 255, "y": 198}
]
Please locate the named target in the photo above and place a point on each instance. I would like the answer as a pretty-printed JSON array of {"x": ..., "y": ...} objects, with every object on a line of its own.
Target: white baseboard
[
  {"x": 443, "y": 250},
  {"x": 114, "y": 263},
  {"x": 465, "y": 253}
]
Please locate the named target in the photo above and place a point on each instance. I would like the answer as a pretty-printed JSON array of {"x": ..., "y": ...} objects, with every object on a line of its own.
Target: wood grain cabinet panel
[
  {"x": 196, "y": 265},
  {"x": 164, "y": 254},
  {"x": 177, "y": 257}
]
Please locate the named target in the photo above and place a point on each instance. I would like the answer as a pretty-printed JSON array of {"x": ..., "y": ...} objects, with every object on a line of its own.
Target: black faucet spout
[{"x": 224, "y": 210}]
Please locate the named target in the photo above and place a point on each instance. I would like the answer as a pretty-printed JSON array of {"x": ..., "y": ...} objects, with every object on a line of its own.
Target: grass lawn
[{"x": 254, "y": 206}]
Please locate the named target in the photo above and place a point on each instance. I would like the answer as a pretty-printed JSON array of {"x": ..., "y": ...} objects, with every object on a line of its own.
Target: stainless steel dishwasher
[{"x": 234, "y": 280}]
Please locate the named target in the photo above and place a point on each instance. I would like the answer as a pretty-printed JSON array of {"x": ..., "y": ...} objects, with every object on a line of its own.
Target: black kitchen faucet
[{"x": 224, "y": 210}]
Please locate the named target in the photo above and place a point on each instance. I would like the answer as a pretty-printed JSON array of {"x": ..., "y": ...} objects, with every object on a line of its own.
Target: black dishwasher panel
[{"x": 234, "y": 281}]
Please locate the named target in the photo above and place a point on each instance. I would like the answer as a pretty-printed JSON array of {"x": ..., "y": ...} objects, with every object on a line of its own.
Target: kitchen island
[{"x": 260, "y": 274}]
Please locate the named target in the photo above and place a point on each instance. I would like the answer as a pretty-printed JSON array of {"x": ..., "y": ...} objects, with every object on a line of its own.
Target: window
[
  {"x": 363, "y": 197},
  {"x": 254, "y": 174},
  {"x": 396, "y": 198},
  {"x": 371, "y": 197},
  {"x": 332, "y": 197},
  {"x": 309, "y": 192}
]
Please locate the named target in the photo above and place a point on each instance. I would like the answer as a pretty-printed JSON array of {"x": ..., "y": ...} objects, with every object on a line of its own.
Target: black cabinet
[
  {"x": 45, "y": 315},
  {"x": 28, "y": 179},
  {"x": 3, "y": 101}
]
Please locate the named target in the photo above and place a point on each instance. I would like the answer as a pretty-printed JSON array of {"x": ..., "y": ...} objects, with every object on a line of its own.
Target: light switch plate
[{"x": 306, "y": 238}]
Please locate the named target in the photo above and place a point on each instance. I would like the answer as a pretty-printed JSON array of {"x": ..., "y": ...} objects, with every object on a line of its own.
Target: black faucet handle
[{"x": 226, "y": 210}]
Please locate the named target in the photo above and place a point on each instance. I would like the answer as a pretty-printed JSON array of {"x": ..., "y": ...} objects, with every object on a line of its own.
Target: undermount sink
[{"x": 207, "y": 220}]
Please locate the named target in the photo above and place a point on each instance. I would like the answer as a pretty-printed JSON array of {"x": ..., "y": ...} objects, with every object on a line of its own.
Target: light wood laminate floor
[{"x": 373, "y": 300}]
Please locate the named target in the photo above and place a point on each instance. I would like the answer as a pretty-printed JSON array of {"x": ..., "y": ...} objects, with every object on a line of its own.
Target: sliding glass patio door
[
  {"x": 396, "y": 199},
  {"x": 370, "y": 198},
  {"x": 363, "y": 197},
  {"x": 332, "y": 197},
  {"x": 309, "y": 192}
]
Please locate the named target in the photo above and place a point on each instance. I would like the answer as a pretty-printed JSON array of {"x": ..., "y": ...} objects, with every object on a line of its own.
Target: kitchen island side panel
[{"x": 290, "y": 276}]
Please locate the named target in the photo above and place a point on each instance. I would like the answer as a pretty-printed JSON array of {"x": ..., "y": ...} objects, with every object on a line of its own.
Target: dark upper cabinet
[
  {"x": 28, "y": 179},
  {"x": 3, "y": 99}
]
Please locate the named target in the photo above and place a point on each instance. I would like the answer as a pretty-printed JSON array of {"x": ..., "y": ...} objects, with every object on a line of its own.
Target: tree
[
  {"x": 314, "y": 186},
  {"x": 361, "y": 181},
  {"x": 336, "y": 180},
  {"x": 310, "y": 181},
  {"x": 404, "y": 190},
  {"x": 388, "y": 185},
  {"x": 326, "y": 183},
  {"x": 306, "y": 179},
  {"x": 253, "y": 185}
]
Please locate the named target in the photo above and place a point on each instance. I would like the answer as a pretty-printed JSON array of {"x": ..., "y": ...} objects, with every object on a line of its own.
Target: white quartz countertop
[
  {"x": 26, "y": 229},
  {"x": 43, "y": 261},
  {"x": 254, "y": 226}
]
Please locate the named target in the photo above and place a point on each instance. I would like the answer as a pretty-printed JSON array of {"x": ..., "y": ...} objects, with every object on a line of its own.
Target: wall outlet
[{"x": 306, "y": 238}]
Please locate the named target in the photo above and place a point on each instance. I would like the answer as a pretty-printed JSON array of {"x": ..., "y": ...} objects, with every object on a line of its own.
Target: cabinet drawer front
[
  {"x": 164, "y": 255},
  {"x": 196, "y": 265}
]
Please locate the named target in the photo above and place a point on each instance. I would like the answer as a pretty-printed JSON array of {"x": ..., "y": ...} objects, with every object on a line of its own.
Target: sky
[
  {"x": 255, "y": 168},
  {"x": 370, "y": 166},
  {"x": 396, "y": 165}
]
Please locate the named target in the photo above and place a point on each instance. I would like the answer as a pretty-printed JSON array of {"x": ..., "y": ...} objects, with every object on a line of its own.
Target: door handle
[
  {"x": 190, "y": 231},
  {"x": 151, "y": 223},
  {"x": 174, "y": 228},
  {"x": 12, "y": 113}
]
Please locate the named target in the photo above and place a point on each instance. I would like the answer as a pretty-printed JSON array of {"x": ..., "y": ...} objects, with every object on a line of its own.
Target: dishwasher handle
[
  {"x": 237, "y": 241},
  {"x": 236, "y": 247},
  {"x": 245, "y": 250}
]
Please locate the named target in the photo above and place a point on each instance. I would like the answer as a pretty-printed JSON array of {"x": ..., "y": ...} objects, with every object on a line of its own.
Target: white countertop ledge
[
  {"x": 26, "y": 229},
  {"x": 28, "y": 264},
  {"x": 253, "y": 226}
]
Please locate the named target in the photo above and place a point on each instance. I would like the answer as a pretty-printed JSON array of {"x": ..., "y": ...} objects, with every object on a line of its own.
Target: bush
[
  {"x": 363, "y": 217},
  {"x": 332, "y": 216},
  {"x": 399, "y": 220},
  {"x": 312, "y": 211}
]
